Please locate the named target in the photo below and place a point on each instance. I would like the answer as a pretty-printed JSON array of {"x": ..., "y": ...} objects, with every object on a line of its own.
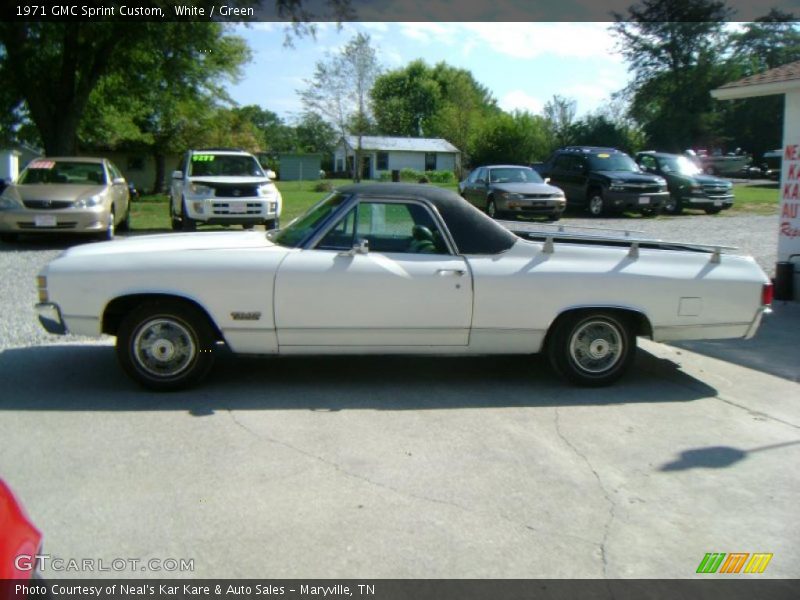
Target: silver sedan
[{"x": 66, "y": 195}]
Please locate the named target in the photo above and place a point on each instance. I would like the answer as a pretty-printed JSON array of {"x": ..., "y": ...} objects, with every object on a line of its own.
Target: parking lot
[{"x": 407, "y": 467}]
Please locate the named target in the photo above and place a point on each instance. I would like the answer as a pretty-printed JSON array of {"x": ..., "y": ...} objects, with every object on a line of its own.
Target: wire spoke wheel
[
  {"x": 596, "y": 346},
  {"x": 164, "y": 347},
  {"x": 592, "y": 347}
]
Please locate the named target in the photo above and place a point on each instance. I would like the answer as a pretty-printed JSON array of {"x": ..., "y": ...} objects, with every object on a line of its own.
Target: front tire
[
  {"x": 166, "y": 346},
  {"x": 125, "y": 224},
  {"x": 491, "y": 208},
  {"x": 591, "y": 348},
  {"x": 110, "y": 230},
  {"x": 187, "y": 223},
  {"x": 9, "y": 238},
  {"x": 713, "y": 211}
]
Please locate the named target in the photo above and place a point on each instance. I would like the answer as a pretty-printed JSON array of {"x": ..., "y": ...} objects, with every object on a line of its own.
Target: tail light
[{"x": 767, "y": 293}]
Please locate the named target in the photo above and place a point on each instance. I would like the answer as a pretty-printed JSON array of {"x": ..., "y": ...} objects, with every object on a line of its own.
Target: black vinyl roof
[{"x": 472, "y": 231}]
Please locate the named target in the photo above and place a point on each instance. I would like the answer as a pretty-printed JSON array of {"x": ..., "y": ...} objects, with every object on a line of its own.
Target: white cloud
[
  {"x": 533, "y": 40},
  {"x": 520, "y": 100}
]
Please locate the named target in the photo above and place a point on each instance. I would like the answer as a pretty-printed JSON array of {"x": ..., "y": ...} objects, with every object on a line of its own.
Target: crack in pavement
[
  {"x": 399, "y": 492},
  {"x": 611, "y": 503}
]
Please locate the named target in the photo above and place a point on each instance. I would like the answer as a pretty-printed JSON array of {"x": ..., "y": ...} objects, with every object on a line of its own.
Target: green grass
[
  {"x": 762, "y": 199},
  {"x": 150, "y": 213}
]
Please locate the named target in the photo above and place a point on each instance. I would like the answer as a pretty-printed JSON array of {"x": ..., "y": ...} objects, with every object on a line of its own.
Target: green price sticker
[{"x": 202, "y": 158}]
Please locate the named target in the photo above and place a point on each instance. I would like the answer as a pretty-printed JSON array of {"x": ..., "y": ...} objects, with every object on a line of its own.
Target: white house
[
  {"x": 14, "y": 158},
  {"x": 783, "y": 80},
  {"x": 383, "y": 154}
]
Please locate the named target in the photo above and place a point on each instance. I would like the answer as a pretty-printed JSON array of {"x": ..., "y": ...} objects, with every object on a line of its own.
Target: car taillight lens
[{"x": 767, "y": 293}]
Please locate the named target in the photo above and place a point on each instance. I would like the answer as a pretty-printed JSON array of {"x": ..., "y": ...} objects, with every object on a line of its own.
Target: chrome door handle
[{"x": 459, "y": 272}]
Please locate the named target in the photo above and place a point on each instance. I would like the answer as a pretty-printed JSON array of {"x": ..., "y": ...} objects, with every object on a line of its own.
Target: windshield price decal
[
  {"x": 42, "y": 164},
  {"x": 203, "y": 158}
]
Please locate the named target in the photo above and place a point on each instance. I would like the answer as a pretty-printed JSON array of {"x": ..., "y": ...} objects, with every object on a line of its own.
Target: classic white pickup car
[{"x": 396, "y": 268}]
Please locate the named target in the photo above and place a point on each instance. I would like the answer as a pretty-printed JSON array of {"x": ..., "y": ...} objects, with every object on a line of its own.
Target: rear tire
[
  {"x": 591, "y": 348},
  {"x": 166, "y": 345},
  {"x": 596, "y": 204},
  {"x": 673, "y": 206}
]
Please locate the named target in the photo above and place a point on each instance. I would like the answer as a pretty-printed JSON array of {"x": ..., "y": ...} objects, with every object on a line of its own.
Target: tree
[
  {"x": 440, "y": 101},
  {"x": 274, "y": 135},
  {"x": 405, "y": 100},
  {"x": 673, "y": 49},
  {"x": 340, "y": 89},
  {"x": 169, "y": 100},
  {"x": 756, "y": 124},
  {"x": 49, "y": 70},
  {"x": 518, "y": 137},
  {"x": 559, "y": 115}
]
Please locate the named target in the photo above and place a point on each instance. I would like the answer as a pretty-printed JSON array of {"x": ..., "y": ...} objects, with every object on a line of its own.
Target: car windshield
[
  {"x": 44, "y": 171},
  {"x": 297, "y": 231},
  {"x": 514, "y": 175},
  {"x": 607, "y": 161},
  {"x": 679, "y": 164},
  {"x": 225, "y": 165}
]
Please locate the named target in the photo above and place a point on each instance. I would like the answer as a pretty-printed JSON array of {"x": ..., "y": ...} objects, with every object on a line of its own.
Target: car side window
[
  {"x": 473, "y": 176},
  {"x": 563, "y": 162},
  {"x": 387, "y": 227},
  {"x": 481, "y": 175},
  {"x": 342, "y": 235},
  {"x": 647, "y": 162},
  {"x": 115, "y": 172}
]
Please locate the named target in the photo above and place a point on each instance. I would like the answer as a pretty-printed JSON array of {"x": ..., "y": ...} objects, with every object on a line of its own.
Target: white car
[
  {"x": 223, "y": 187},
  {"x": 396, "y": 268}
]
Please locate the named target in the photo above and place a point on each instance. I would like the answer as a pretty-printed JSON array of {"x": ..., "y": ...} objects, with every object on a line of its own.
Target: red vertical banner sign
[{"x": 789, "y": 213}]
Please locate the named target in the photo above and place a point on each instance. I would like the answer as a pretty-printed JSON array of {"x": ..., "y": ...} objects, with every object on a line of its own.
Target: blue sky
[{"x": 523, "y": 64}]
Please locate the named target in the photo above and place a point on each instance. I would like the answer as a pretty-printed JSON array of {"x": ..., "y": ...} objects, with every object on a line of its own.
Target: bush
[
  {"x": 418, "y": 176},
  {"x": 323, "y": 186}
]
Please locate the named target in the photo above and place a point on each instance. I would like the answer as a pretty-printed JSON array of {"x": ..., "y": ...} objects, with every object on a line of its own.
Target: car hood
[
  {"x": 56, "y": 191},
  {"x": 630, "y": 177},
  {"x": 167, "y": 243},
  {"x": 229, "y": 180},
  {"x": 710, "y": 180},
  {"x": 527, "y": 188}
]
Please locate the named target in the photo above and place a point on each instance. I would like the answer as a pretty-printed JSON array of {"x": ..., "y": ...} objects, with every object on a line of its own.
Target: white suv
[{"x": 223, "y": 187}]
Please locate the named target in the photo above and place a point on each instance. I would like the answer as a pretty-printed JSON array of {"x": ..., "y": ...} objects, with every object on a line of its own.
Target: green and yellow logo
[{"x": 716, "y": 562}]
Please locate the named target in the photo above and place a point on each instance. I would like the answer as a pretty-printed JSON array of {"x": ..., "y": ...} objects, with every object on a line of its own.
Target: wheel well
[
  {"x": 638, "y": 321},
  {"x": 116, "y": 310},
  {"x": 592, "y": 189}
]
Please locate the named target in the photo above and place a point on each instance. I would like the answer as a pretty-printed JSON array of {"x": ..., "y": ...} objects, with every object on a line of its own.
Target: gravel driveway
[{"x": 756, "y": 235}]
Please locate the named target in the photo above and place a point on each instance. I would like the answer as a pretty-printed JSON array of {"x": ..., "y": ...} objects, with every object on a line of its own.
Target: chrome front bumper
[{"x": 50, "y": 318}]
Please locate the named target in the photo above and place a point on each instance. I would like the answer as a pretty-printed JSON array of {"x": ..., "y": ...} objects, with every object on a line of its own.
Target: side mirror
[
  {"x": 360, "y": 247},
  {"x": 547, "y": 180},
  {"x": 271, "y": 174},
  {"x": 177, "y": 174},
  {"x": 118, "y": 181}
]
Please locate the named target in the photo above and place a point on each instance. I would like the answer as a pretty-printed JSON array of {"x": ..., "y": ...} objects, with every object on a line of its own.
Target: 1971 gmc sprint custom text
[{"x": 396, "y": 268}]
